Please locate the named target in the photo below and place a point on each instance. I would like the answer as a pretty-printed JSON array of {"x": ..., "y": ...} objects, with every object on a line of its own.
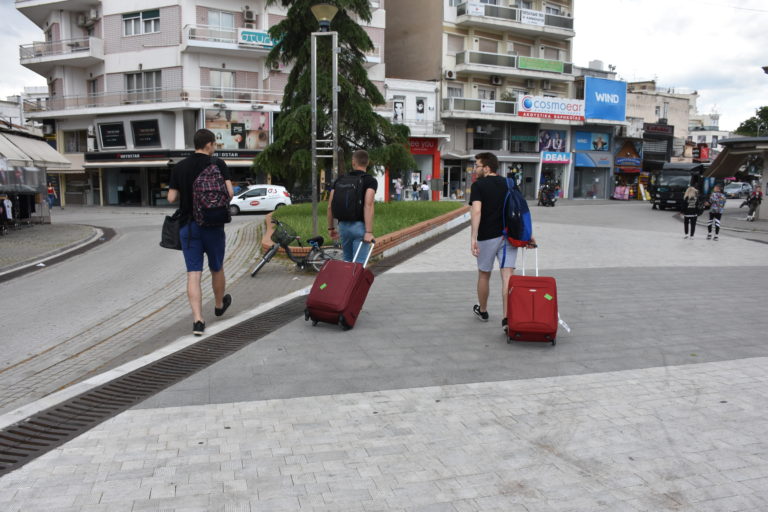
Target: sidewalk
[{"x": 649, "y": 404}]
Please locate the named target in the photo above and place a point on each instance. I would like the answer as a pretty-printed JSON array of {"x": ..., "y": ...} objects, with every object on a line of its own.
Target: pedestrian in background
[
  {"x": 424, "y": 192},
  {"x": 690, "y": 210},
  {"x": 716, "y": 204},
  {"x": 415, "y": 188},
  {"x": 398, "y": 189},
  {"x": 51, "y": 195},
  {"x": 198, "y": 241}
]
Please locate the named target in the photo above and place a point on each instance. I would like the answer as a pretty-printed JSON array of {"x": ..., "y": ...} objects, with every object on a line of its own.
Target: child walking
[{"x": 690, "y": 210}]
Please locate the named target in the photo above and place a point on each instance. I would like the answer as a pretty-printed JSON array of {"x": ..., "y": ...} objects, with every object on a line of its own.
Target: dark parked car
[{"x": 737, "y": 190}]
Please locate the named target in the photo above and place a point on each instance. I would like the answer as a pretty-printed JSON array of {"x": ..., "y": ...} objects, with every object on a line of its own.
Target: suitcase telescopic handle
[
  {"x": 536, "y": 257},
  {"x": 360, "y": 246}
]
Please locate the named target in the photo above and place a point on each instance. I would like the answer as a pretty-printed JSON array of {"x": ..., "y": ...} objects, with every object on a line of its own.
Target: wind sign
[{"x": 605, "y": 99}]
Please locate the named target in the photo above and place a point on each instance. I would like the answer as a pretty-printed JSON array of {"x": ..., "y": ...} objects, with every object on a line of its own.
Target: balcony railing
[
  {"x": 36, "y": 50},
  {"x": 513, "y": 61},
  {"x": 511, "y": 14},
  {"x": 211, "y": 34},
  {"x": 478, "y": 105},
  {"x": 220, "y": 96}
]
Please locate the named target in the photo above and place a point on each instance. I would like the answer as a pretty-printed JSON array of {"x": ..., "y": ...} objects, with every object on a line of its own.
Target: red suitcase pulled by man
[
  {"x": 339, "y": 292},
  {"x": 532, "y": 307}
]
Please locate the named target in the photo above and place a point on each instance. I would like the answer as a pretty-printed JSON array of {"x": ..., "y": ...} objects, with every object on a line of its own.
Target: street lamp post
[{"x": 322, "y": 147}]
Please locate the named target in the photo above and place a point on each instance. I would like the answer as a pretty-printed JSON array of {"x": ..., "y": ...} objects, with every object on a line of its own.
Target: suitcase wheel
[
  {"x": 554, "y": 343},
  {"x": 343, "y": 323}
]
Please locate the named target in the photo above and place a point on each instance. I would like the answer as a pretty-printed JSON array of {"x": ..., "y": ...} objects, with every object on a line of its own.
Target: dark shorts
[{"x": 197, "y": 241}]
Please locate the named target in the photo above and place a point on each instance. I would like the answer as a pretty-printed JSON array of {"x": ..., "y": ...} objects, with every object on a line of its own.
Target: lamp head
[
  {"x": 324, "y": 14},
  {"x": 765, "y": 69}
]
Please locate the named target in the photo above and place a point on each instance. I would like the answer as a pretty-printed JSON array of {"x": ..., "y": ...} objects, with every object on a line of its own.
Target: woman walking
[
  {"x": 690, "y": 210},
  {"x": 716, "y": 207}
]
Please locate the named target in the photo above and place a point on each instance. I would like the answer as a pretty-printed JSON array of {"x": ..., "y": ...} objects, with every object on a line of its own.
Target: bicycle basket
[{"x": 283, "y": 235}]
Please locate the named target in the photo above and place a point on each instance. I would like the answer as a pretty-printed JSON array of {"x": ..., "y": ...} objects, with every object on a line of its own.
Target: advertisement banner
[
  {"x": 552, "y": 140},
  {"x": 592, "y": 141},
  {"x": 257, "y": 38},
  {"x": 605, "y": 99},
  {"x": 487, "y": 106},
  {"x": 112, "y": 135},
  {"x": 146, "y": 134},
  {"x": 530, "y": 17},
  {"x": 555, "y": 157},
  {"x": 476, "y": 9},
  {"x": 238, "y": 130},
  {"x": 551, "y": 108},
  {"x": 535, "y": 64}
]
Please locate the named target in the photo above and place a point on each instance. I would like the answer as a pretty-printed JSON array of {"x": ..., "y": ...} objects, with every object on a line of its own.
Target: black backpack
[{"x": 348, "y": 194}]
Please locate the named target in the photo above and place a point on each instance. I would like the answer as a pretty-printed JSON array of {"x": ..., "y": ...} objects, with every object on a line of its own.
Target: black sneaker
[
  {"x": 504, "y": 324},
  {"x": 482, "y": 315},
  {"x": 225, "y": 304},
  {"x": 198, "y": 328}
]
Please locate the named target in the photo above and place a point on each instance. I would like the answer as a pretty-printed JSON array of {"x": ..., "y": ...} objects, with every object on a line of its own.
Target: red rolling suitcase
[
  {"x": 532, "y": 307},
  {"x": 339, "y": 291}
]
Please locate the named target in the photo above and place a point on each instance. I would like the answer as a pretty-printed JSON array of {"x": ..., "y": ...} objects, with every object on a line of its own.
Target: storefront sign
[
  {"x": 238, "y": 129},
  {"x": 422, "y": 146},
  {"x": 112, "y": 135},
  {"x": 551, "y": 108},
  {"x": 605, "y": 99},
  {"x": 628, "y": 162},
  {"x": 111, "y": 156},
  {"x": 256, "y": 38},
  {"x": 523, "y": 138},
  {"x": 592, "y": 141},
  {"x": 662, "y": 129},
  {"x": 488, "y": 106},
  {"x": 146, "y": 134},
  {"x": 555, "y": 157},
  {"x": 535, "y": 64},
  {"x": 530, "y": 17}
]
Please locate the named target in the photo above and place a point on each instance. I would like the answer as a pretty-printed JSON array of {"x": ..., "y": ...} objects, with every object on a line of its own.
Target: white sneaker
[
  {"x": 685, "y": 237},
  {"x": 691, "y": 237}
]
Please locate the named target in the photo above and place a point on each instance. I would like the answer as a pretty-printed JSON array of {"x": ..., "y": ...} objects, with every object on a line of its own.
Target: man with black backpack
[
  {"x": 351, "y": 202},
  {"x": 489, "y": 239},
  {"x": 203, "y": 186}
]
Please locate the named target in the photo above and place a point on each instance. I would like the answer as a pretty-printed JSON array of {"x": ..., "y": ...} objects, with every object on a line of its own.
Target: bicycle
[{"x": 283, "y": 235}]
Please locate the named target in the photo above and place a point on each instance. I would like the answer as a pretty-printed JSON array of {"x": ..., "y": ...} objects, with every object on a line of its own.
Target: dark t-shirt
[
  {"x": 490, "y": 191},
  {"x": 184, "y": 174},
  {"x": 368, "y": 182}
]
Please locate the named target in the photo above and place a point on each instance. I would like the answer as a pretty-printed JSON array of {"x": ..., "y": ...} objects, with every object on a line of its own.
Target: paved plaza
[{"x": 654, "y": 401}]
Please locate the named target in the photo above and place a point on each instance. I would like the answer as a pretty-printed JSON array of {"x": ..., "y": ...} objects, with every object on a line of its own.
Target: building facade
[{"x": 130, "y": 83}]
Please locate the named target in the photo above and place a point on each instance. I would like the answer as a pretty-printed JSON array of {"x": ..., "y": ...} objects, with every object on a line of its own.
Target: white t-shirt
[{"x": 8, "y": 208}]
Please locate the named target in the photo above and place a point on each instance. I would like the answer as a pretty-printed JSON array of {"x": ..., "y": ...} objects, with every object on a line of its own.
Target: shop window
[
  {"x": 76, "y": 141},
  {"x": 137, "y": 23}
]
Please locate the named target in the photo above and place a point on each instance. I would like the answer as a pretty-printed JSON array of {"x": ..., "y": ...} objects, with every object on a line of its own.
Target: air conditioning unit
[
  {"x": 529, "y": 83},
  {"x": 450, "y": 74},
  {"x": 81, "y": 20},
  {"x": 248, "y": 15},
  {"x": 93, "y": 15},
  {"x": 495, "y": 80},
  {"x": 47, "y": 129},
  {"x": 546, "y": 85}
]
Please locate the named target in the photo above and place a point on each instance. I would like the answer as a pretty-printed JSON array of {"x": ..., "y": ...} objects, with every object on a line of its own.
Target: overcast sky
[{"x": 716, "y": 47}]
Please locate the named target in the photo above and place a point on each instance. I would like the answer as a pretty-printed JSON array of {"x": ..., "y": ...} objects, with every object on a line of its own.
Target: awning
[
  {"x": 39, "y": 152},
  {"x": 127, "y": 163},
  {"x": 13, "y": 154},
  {"x": 627, "y": 170},
  {"x": 239, "y": 163},
  {"x": 519, "y": 158},
  {"x": 450, "y": 155},
  {"x": 584, "y": 160}
]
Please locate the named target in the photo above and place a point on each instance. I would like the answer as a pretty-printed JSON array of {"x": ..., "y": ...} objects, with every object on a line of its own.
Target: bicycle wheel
[
  {"x": 317, "y": 258},
  {"x": 268, "y": 256}
]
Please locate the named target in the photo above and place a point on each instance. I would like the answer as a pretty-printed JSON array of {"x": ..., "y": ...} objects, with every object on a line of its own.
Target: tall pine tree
[{"x": 289, "y": 157}]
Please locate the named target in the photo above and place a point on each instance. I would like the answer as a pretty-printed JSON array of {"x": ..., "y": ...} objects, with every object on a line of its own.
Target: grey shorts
[{"x": 493, "y": 248}]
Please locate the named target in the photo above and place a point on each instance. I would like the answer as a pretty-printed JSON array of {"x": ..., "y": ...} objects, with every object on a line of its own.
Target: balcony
[
  {"x": 152, "y": 99},
  {"x": 42, "y": 57},
  {"x": 496, "y": 17},
  {"x": 474, "y": 108},
  {"x": 226, "y": 41},
  {"x": 373, "y": 57},
  {"x": 483, "y": 63},
  {"x": 39, "y": 10}
]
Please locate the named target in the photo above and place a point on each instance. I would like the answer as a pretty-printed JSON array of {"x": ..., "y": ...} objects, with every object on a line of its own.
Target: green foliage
[
  {"x": 289, "y": 157},
  {"x": 388, "y": 217},
  {"x": 756, "y": 125}
]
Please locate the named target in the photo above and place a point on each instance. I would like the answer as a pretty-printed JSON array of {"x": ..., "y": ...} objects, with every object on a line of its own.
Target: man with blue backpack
[
  {"x": 501, "y": 223},
  {"x": 203, "y": 186}
]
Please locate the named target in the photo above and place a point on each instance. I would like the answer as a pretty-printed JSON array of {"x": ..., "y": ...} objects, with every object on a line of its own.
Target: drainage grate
[{"x": 42, "y": 432}]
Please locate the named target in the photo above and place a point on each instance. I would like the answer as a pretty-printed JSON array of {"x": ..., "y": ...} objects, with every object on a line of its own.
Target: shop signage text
[
  {"x": 555, "y": 157},
  {"x": 535, "y": 64},
  {"x": 551, "y": 108},
  {"x": 628, "y": 162},
  {"x": 592, "y": 141},
  {"x": 530, "y": 17},
  {"x": 102, "y": 156},
  {"x": 488, "y": 106},
  {"x": 659, "y": 128},
  {"x": 112, "y": 135},
  {"x": 146, "y": 133},
  {"x": 422, "y": 146},
  {"x": 257, "y": 38},
  {"x": 605, "y": 99}
]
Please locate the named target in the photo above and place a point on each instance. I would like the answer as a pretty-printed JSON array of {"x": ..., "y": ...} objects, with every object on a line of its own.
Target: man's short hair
[
  {"x": 203, "y": 137},
  {"x": 488, "y": 159},
  {"x": 360, "y": 158}
]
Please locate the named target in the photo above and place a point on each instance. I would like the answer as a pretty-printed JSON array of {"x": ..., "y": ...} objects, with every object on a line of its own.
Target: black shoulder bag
[{"x": 170, "y": 237}]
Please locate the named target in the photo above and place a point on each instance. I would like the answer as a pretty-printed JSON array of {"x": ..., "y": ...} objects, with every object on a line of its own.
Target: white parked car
[{"x": 260, "y": 198}]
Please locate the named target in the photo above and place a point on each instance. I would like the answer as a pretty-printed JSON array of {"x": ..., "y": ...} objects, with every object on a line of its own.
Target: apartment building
[
  {"x": 505, "y": 77},
  {"x": 130, "y": 83}
]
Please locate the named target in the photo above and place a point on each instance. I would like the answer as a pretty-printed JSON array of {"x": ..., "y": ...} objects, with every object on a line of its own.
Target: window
[
  {"x": 455, "y": 44},
  {"x": 223, "y": 84},
  {"x": 658, "y": 111},
  {"x": 221, "y": 25},
  {"x": 137, "y": 23},
  {"x": 144, "y": 86},
  {"x": 521, "y": 49},
  {"x": 489, "y": 2},
  {"x": 486, "y": 93},
  {"x": 553, "y": 53},
  {"x": 76, "y": 141},
  {"x": 455, "y": 91},
  {"x": 487, "y": 45}
]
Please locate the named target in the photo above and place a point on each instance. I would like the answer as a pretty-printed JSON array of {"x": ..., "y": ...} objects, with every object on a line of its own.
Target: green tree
[
  {"x": 756, "y": 125},
  {"x": 360, "y": 127}
]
